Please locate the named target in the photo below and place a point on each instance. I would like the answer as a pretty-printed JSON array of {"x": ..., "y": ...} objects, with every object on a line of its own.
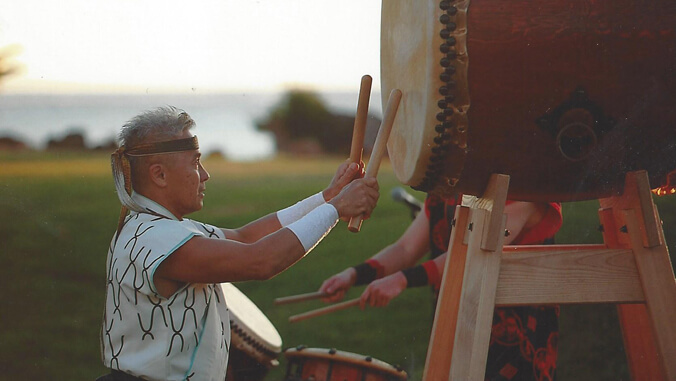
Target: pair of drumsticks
[
  {"x": 359, "y": 130},
  {"x": 379, "y": 149}
]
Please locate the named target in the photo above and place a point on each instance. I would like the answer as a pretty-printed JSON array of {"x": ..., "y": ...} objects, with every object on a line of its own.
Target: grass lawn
[{"x": 58, "y": 213}]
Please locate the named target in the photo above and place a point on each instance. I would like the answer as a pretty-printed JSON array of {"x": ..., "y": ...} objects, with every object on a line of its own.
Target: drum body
[
  {"x": 563, "y": 96},
  {"x": 255, "y": 343},
  {"x": 318, "y": 364}
]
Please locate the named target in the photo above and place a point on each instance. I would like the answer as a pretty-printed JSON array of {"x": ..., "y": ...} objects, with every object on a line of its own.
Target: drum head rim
[
  {"x": 344, "y": 356},
  {"x": 249, "y": 325}
]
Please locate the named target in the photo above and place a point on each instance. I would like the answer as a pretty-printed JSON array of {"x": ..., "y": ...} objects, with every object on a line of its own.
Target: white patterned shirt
[{"x": 183, "y": 337}]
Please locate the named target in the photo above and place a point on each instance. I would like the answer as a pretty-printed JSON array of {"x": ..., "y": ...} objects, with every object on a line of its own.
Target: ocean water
[{"x": 225, "y": 122}]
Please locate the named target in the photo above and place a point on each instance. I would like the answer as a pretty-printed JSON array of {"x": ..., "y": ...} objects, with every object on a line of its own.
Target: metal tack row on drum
[{"x": 564, "y": 97}]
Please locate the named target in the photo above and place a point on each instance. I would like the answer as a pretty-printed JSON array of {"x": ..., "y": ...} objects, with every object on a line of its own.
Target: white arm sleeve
[
  {"x": 315, "y": 225},
  {"x": 296, "y": 211}
]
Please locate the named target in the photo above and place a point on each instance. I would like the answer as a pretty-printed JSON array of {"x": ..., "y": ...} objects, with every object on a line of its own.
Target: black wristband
[
  {"x": 415, "y": 276},
  {"x": 365, "y": 274}
]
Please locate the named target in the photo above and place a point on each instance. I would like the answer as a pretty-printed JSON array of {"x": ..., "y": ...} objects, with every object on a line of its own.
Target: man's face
[{"x": 186, "y": 179}]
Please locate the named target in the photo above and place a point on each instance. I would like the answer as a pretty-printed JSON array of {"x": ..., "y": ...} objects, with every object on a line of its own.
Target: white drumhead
[
  {"x": 252, "y": 331},
  {"x": 410, "y": 61},
  {"x": 404, "y": 49}
]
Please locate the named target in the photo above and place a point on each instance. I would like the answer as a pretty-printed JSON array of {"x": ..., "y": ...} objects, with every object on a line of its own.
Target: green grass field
[{"x": 58, "y": 213}]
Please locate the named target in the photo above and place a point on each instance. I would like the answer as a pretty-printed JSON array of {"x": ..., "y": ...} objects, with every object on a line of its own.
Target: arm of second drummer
[
  {"x": 520, "y": 216},
  {"x": 403, "y": 253}
]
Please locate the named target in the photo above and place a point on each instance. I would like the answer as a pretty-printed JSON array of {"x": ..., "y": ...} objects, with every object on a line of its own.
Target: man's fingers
[
  {"x": 349, "y": 174},
  {"x": 372, "y": 182},
  {"x": 359, "y": 198}
]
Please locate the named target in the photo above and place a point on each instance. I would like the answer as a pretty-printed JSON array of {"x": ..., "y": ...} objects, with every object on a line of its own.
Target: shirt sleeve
[
  {"x": 208, "y": 231},
  {"x": 149, "y": 245},
  {"x": 189, "y": 229}
]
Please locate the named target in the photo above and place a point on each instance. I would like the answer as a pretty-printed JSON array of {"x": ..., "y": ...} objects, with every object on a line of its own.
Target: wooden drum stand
[{"x": 631, "y": 269}]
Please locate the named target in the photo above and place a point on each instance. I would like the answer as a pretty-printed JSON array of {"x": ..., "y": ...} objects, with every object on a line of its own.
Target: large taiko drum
[
  {"x": 320, "y": 364},
  {"x": 255, "y": 343},
  {"x": 563, "y": 96}
]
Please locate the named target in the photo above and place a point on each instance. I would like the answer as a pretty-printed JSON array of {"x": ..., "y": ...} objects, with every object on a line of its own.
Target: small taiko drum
[
  {"x": 319, "y": 364},
  {"x": 255, "y": 343},
  {"x": 563, "y": 96}
]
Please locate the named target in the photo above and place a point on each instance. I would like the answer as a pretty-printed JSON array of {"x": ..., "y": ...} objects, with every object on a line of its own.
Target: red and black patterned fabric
[
  {"x": 440, "y": 213},
  {"x": 524, "y": 340}
]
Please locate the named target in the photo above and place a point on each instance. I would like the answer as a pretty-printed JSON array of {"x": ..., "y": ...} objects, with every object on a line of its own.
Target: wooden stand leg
[
  {"x": 440, "y": 349},
  {"x": 477, "y": 305},
  {"x": 464, "y": 312},
  {"x": 643, "y": 358},
  {"x": 649, "y": 330}
]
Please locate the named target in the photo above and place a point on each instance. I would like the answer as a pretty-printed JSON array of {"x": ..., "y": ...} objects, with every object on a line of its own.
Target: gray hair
[
  {"x": 152, "y": 126},
  {"x": 162, "y": 123}
]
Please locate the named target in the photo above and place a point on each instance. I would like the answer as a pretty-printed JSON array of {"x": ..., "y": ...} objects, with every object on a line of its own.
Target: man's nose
[{"x": 204, "y": 175}]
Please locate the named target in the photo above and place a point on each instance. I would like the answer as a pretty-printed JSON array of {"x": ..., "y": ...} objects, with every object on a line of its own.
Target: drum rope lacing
[
  {"x": 252, "y": 341},
  {"x": 452, "y": 127}
]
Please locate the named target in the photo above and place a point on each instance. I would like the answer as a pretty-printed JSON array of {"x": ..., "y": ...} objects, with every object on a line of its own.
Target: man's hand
[
  {"x": 345, "y": 173},
  {"x": 381, "y": 291},
  {"x": 358, "y": 198},
  {"x": 336, "y": 286}
]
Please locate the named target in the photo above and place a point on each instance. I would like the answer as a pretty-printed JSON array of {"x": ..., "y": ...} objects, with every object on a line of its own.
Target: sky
[{"x": 156, "y": 46}]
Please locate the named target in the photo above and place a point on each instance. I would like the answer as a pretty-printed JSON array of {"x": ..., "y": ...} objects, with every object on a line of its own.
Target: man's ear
[{"x": 158, "y": 175}]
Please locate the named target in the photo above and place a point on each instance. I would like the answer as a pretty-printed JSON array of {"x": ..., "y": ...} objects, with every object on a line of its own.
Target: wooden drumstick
[
  {"x": 359, "y": 129},
  {"x": 324, "y": 311},
  {"x": 379, "y": 147},
  {"x": 299, "y": 298}
]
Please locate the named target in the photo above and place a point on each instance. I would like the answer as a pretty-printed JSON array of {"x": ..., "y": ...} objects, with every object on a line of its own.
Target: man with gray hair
[{"x": 165, "y": 316}]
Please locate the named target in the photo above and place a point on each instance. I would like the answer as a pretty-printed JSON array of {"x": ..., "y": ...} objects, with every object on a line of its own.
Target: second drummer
[
  {"x": 165, "y": 319},
  {"x": 523, "y": 342}
]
